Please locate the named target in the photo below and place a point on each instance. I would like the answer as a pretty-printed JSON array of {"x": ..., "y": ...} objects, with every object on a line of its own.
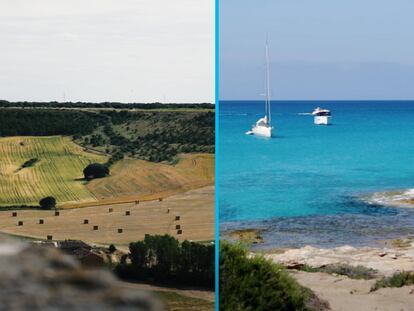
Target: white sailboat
[{"x": 263, "y": 126}]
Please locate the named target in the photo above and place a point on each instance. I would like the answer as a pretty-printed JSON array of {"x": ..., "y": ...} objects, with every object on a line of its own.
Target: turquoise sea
[{"x": 318, "y": 185}]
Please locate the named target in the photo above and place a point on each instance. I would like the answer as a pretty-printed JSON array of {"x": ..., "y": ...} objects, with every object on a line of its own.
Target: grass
[
  {"x": 353, "y": 272},
  {"x": 56, "y": 171},
  {"x": 398, "y": 279},
  {"x": 176, "y": 302}
]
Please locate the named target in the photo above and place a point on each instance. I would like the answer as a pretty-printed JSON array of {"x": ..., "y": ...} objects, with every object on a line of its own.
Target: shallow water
[{"x": 315, "y": 184}]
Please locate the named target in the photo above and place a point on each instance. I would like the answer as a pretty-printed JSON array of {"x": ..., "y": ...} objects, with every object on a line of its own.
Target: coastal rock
[
  {"x": 42, "y": 278},
  {"x": 386, "y": 261}
]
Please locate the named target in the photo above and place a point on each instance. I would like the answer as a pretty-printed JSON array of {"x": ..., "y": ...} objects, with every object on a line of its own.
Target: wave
[{"x": 390, "y": 198}]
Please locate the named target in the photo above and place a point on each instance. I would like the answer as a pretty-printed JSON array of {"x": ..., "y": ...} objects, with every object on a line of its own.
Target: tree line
[
  {"x": 148, "y": 135},
  {"x": 164, "y": 259},
  {"x": 39, "y": 122},
  {"x": 115, "y": 105}
]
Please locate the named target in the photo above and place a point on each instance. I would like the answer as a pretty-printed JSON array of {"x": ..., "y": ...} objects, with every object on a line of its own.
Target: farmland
[
  {"x": 161, "y": 163},
  {"x": 195, "y": 209},
  {"x": 57, "y": 171},
  {"x": 132, "y": 178},
  {"x": 35, "y": 167}
]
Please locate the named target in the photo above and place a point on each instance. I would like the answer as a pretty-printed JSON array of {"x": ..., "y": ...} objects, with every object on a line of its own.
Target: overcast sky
[
  {"x": 319, "y": 49},
  {"x": 107, "y": 50}
]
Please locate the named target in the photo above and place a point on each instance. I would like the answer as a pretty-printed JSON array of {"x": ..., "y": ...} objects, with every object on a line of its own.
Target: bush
[
  {"x": 112, "y": 248},
  {"x": 399, "y": 279},
  {"x": 95, "y": 170},
  {"x": 256, "y": 283},
  {"x": 353, "y": 272},
  {"x": 47, "y": 203}
]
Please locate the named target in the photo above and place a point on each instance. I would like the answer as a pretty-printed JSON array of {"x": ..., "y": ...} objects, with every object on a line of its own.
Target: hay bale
[
  {"x": 95, "y": 227},
  {"x": 127, "y": 213},
  {"x": 14, "y": 214},
  {"x": 120, "y": 230},
  {"x": 20, "y": 223},
  {"x": 41, "y": 221},
  {"x": 85, "y": 221}
]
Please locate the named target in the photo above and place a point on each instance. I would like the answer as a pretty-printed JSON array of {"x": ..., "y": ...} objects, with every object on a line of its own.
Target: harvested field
[
  {"x": 55, "y": 165},
  {"x": 195, "y": 208},
  {"x": 132, "y": 178},
  {"x": 56, "y": 171}
]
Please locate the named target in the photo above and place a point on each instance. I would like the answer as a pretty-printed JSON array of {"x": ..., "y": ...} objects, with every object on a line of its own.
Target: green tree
[
  {"x": 47, "y": 203},
  {"x": 95, "y": 170}
]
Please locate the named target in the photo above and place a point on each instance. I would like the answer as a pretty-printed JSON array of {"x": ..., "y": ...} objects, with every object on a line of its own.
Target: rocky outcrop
[
  {"x": 42, "y": 278},
  {"x": 386, "y": 260}
]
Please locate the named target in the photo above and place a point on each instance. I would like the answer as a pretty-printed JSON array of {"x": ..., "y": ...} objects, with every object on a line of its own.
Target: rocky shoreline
[
  {"x": 346, "y": 293},
  {"x": 395, "y": 256}
]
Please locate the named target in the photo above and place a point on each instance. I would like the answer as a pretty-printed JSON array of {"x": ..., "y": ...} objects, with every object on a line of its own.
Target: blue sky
[{"x": 319, "y": 49}]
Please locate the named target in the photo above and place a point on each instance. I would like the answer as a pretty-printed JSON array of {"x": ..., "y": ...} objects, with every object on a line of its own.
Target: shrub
[
  {"x": 399, "y": 279},
  {"x": 47, "y": 203},
  {"x": 353, "y": 272},
  {"x": 256, "y": 283},
  {"x": 95, "y": 170}
]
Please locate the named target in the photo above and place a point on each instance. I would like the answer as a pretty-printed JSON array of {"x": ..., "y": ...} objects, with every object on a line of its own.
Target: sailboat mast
[{"x": 267, "y": 84}]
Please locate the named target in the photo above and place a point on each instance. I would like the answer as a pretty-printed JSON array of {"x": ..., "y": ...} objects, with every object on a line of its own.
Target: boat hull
[
  {"x": 265, "y": 131},
  {"x": 322, "y": 120}
]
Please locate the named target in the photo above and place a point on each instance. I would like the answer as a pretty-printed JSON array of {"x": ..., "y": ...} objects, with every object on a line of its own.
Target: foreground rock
[
  {"x": 42, "y": 278},
  {"x": 386, "y": 261}
]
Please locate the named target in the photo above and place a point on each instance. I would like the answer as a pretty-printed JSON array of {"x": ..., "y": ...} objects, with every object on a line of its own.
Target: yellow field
[
  {"x": 57, "y": 173},
  {"x": 132, "y": 178},
  {"x": 195, "y": 208}
]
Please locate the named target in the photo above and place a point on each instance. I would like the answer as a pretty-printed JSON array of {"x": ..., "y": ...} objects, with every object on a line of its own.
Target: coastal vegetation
[
  {"x": 398, "y": 279},
  {"x": 254, "y": 283},
  {"x": 353, "y": 272},
  {"x": 164, "y": 259}
]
